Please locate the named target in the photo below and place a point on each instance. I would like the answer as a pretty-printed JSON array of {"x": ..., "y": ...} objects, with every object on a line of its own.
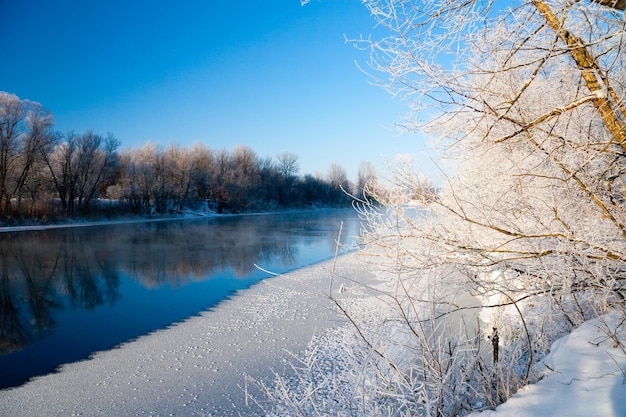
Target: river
[{"x": 67, "y": 293}]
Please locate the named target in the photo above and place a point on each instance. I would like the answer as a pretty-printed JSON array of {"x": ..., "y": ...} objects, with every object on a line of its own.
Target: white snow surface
[
  {"x": 197, "y": 367},
  {"x": 585, "y": 377}
]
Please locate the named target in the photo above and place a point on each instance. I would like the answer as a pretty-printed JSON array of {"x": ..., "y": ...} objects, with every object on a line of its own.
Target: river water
[{"x": 67, "y": 293}]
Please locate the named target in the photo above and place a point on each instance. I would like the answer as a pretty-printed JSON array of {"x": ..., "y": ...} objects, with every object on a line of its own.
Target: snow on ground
[
  {"x": 197, "y": 367},
  {"x": 585, "y": 377}
]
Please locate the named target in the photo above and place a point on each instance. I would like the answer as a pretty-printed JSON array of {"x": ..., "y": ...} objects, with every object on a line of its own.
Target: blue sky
[{"x": 273, "y": 75}]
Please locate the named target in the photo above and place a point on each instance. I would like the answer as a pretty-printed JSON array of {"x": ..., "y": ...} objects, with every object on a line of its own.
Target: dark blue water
[{"x": 67, "y": 293}]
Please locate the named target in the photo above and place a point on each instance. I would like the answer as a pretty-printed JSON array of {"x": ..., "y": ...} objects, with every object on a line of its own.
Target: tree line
[{"x": 47, "y": 175}]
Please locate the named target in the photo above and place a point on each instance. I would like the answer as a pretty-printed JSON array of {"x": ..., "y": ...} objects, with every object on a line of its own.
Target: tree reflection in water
[{"x": 44, "y": 274}]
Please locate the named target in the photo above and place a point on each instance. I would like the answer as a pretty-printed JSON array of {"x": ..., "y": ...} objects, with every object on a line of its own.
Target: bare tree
[
  {"x": 337, "y": 176},
  {"x": 243, "y": 178},
  {"x": 143, "y": 173},
  {"x": 338, "y": 181},
  {"x": 288, "y": 169},
  {"x": 80, "y": 167},
  {"x": 178, "y": 173},
  {"x": 24, "y": 135},
  {"x": 203, "y": 169},
  {"x": 288, "y": 164},
  {"x": 271, "y": 191},
  {"x": 219, "y": 188},
  {"x": 367, "y": 178}
]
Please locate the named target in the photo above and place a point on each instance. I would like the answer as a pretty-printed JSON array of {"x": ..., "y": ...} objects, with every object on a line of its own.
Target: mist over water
[{"x": 67, "y": 293}]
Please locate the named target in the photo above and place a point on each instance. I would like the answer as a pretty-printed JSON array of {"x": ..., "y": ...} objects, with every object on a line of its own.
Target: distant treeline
[{"x": 46, "y": 175}]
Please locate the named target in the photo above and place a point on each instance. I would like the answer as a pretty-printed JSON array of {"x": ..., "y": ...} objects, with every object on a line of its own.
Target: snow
[
  {"x": 198, "y": 367},
  {"x": 585, "y": 377}
]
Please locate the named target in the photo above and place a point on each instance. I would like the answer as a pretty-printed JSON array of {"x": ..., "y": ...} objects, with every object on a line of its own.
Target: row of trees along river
[{"x": 47, "y": 175}]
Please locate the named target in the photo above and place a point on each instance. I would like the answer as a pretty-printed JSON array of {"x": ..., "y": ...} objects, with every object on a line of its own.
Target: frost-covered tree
[
  {"x": 141, "y": 174},
  {"x": 203, "y": 167},
  {"x": 178, "y": 174},
  {"x": 367, "y": 178},
  {"x": 243, "y": 178},
  {"x": 338, "y": 181},
  {"x": 530, "y": 108},
  {"x": 526, "y": 102}
]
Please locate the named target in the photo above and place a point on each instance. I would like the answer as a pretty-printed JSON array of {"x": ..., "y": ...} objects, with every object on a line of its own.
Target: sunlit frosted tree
[
  {"x": 526, "y": 102},
  {"x": 367, "y": 178}
]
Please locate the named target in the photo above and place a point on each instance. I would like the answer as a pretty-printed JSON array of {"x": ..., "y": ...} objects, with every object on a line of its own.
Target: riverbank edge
[{"x": 138, "y": 220}]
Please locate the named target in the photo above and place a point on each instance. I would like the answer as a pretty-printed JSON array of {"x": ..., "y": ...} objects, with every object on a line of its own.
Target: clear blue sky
[{"x": 271, "y": 74}]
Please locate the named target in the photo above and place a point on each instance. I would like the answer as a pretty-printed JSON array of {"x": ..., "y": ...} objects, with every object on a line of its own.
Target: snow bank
[
  {"x": 197, "y": 367},
  {"x": 585, "y": 376}
]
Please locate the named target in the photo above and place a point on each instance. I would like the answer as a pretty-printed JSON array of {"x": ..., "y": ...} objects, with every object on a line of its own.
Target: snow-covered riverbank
[
  {"x": 197, "y": 367},
  {"x": 585, "y": 376}
]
